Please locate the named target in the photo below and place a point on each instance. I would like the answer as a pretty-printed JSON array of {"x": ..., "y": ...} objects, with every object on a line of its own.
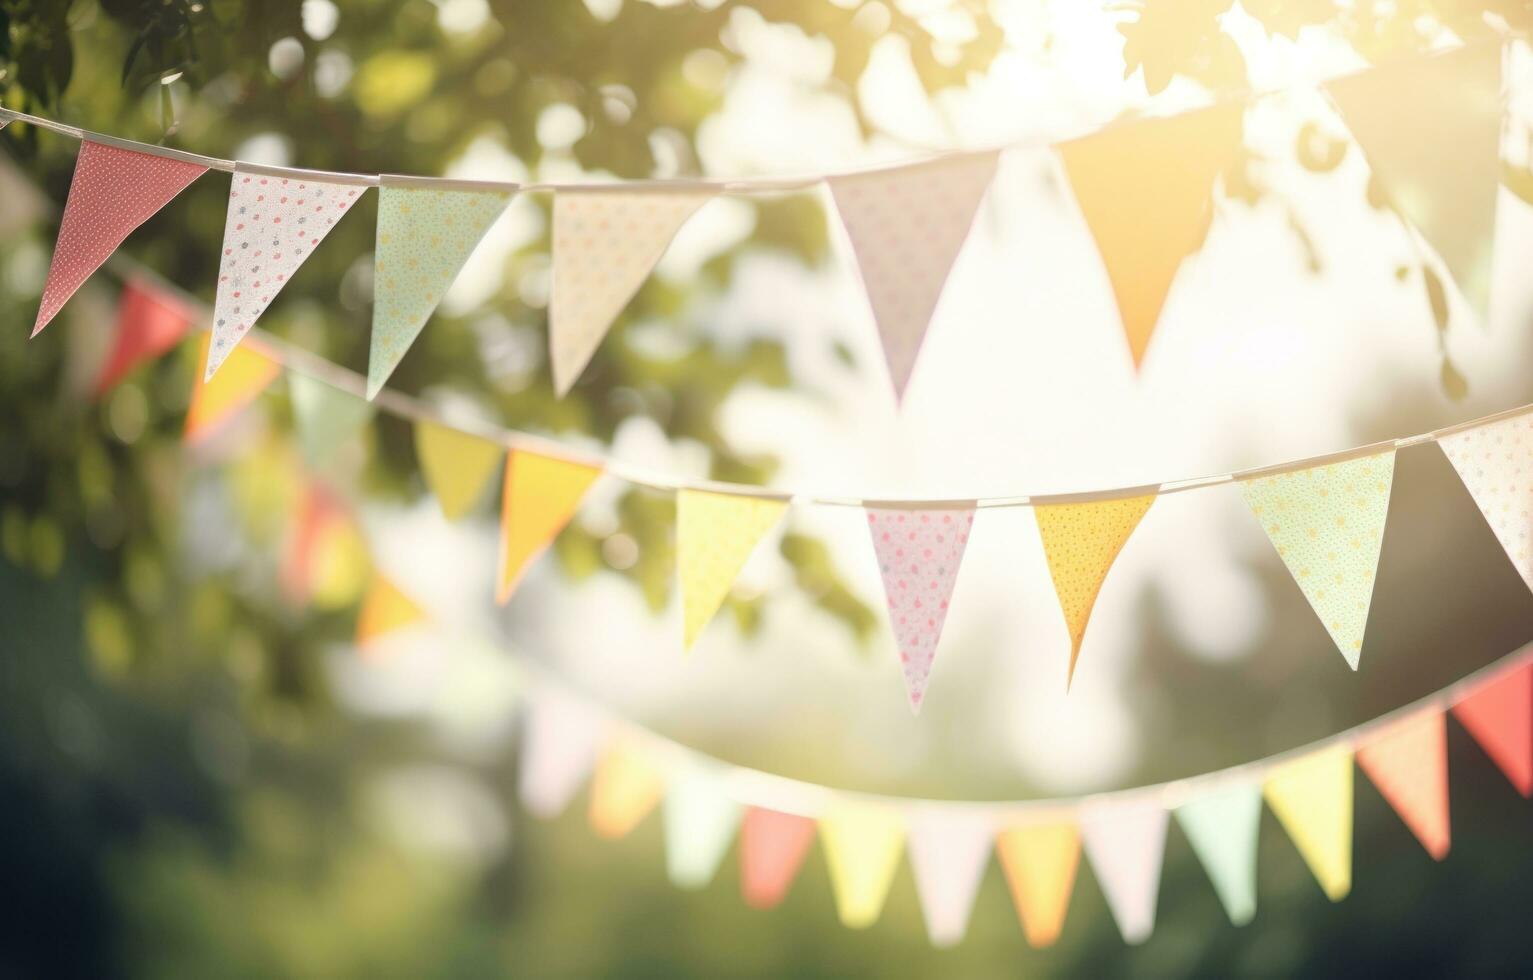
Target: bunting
[
  {"x": 1223, "y": 828},
  {"x": 605, "y": 244},
  {"x": 456, "y": 466},
  {"x": 1040, "y": 862},
  {"x": 113, "y": 192},
  {"x": 1125, "y": 843},
  {"x": 317, "y": 567},
  {"x": 324, "y": 416},
  {"x": 906, "y": 226},
  {"x": 272, "y": 226},
  {"x": 1408, "y": 762},
  {"x": 862, "y": 850},
  {"x": 948, "y": 854},
  {"x": 541, "y": 494},
  {"x": 1312, "y": 797},
  {"x": 559, "y": 744},
  {"x": 1495, "y": 463},
  {"x": 773, "y": 846},
  {"x": 150, "y": 321},
  {"x": 1081, "y": 541},
  {"x": 625, "y": 789},
  {"x": 1499, "y": 715},
  {"x": 1145, "y": 189},
  {"x": 385, "y": 610},
  {"x": 715, "y": 534},
  {"x": 250, "y": 373},
  {"x": 424, "y": 237},
  {"x": 1327, "y": 524},
  {"x": 700, "y": 821},
  {"x": 919, "y": 553}
]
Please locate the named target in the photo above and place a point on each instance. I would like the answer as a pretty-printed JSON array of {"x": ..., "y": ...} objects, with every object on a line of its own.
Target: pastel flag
[
  {"x": 772, "y": 849},
  {"x": 540, "y": 496},
  {"x": 1040, "y": 861},
  {"x": 919, "y": 552},
  {"x": 150, "y": 321},
  {"x": 1431, "y": 130},
  {"x": 1408, "y": 762},
  {"x": 325, "y": 416},
  {"x": 1499, "y": 714},
  {"x": 605, "y": 244},
  {"x": 385, "y": 609},
  {"x": 1327, "y": 524},
  {"x": 250, "y": 373},
  {"x": 1146, "y": 191},
  {"x": 1495, "y": 463},
  {"x": 425, "y": 235},
  {"x": 455, "y": 465},
  {"x": 625, "y": 789},
  {"x": 1223, "y": 828},
  {"x": 1081, "y": 541},
  {"x": 272, "y": 226},
  {"x": 907, "y": 225},
  {"x": 560, "y": 739},
  {"x": 715, "y": 534},
  {"x": 700, "y": 821},
  {"x": 113, "y": 192},
  {"x": 1312, "y": 797},
  {"x": 862, "y": 850},
  {"x": 948, "y": 853},
  {"x": 1125, "y": 843}
]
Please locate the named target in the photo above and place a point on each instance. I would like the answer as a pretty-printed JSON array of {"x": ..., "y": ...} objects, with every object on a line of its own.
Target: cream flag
[
  {"x": 862, "y": 849},
  {"x": 1496, "y": 464},
  {"x": 715, "y": 534}
]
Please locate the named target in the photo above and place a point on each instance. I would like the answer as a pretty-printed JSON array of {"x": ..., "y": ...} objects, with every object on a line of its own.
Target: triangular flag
[
  {"x": 1040, "y": 862},
  {"x": 1408, "y": 762},
  {"x": 113, "y": 192},
  {"x": 249, "y": 374},
  {"x": 907, "y": 225},
  {"x": 325, "y": 416},
  {"x": 424, "y": 237},
  {"x": 318, "y": 523},
  {"x": 1431, "y": 130},
  {"x": 1496, "y": 464},
  {"x": 1327, "y": 524},
  {"x": 862, "y": 850},
  {"x": 1080, "y": 542},
  {"x": 1125, "y": 843},
  {"x": 456, "y": 465},
  {"x": 700, "y": 821},
  {"x": 626, "y": 787},
  {"x": 919, "y": 552},
  {"x": 772, "y": 848},
  {"x": 541, "y": 494},
  {"x": 1146, "y": 190},
  {"x": 150, "y": 321},
  {"x": 1499, "y": 714},
  {"x": 1312, "y": 797},
  {"x": 384, "y": 610},
  {"x": 948, "y": 854},
  {"x": 605, "y": 243},
  {"x": 273, "y": 225},
  {"x": 1222, "y": 828},
  {"x": 715, "y": 534},
  {"x": 559, "y": 745}
]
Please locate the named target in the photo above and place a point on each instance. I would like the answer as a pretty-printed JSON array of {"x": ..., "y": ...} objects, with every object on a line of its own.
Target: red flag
[
  {"x": 1500, "y": 717},
  {"x": 150, "y": 321},
  {"x": 1408, "y": 762}
]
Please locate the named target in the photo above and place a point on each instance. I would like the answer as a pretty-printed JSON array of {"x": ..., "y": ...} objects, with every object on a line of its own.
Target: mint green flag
[
  {"x": 1222, "y": 828},
  {"x": 424, "y": 236},
  {"x": 325, "y": 416},
  {"x": 700, "y": 822}
]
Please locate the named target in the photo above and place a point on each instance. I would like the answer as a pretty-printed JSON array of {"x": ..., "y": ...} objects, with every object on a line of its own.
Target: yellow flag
[
  {"x": 1040, "y": 862},
  {"x": 456, "y": 466},
  {"x": 862, "y": 849},
  {"x": 541, "y": 494},
  {"x": 385, "y": 608},
  {"x": 1081, "y": 541},
  {"x": 1312, "y": 797},
  {"x": 245, "y": 375},
  {"x": 626, "y": 787},
  {"x": 715, "y": 534}
]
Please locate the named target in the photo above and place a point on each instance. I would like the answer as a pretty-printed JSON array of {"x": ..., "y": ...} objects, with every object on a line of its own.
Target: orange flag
[
  {"x": 541, "y": 494},
  {"x": 1499, "y": 715},
  {"x": 384, "y": 610},
  {"x": 625, "y": 788},
  {"x": 1040, "y": 861},
  {"x": 150, "y": 321},
  {"x": 772, "y": 849},
  {"x": 1146, "y": 190},
  {"x": 1408, "y": 762},
  {"x": 245, "y": 375}
]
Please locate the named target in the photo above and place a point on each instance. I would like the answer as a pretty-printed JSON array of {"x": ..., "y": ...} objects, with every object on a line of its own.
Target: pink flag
[
  {"x": 113, "y": 192},
  {"x": 560, "y": 740},
  {"x": 1125, "y": 843},
  {"x": 948, "y": 853},
  {"x": 150, "y": 321}
]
